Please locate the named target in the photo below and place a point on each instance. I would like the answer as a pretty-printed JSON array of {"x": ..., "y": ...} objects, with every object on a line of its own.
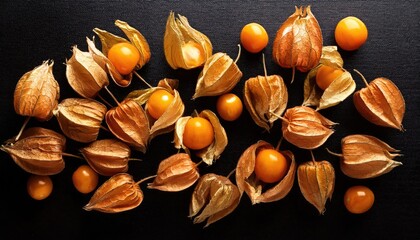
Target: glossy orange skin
[
  {"x": 358, "y": 199},
  {"x": 124, "y": 56},
  {"x": 198, "y": 133},
  {"x": 39, "y": 187},
  {"x": 270, "y": 166},
  {"x": 193, "y": 54},
  {"x": 350, "y": 33},
  {"x": 325, "y": 75},
  {"x": 158, "y": 102},
  {"x": 229, "y": 107},
  {"x": 254, "y": 37},
  {"x": 85, "y": 179}
]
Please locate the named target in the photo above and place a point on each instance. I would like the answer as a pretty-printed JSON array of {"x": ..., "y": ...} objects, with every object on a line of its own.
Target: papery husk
[
  {"x": 118, "y": 194},
  {"x": 38, "y": 151},
  {"x": 107, "y": 156},
  {"x": 215, "y": 196},
  {"x": 339, "y": 89},
  {"x": 247, "y": 181},
  {"x": 381, "y": 103},
  {"x": 220, "y": 74},
  {"x": 298, "y": 41},
  {"x": 129, "y": 123},
  {"x": 84, "y": 75},
  {"x": 212, "y": 152},
  {"x": 265, "y": 98},
  {"x": 176, "y": 173},
  {"x": 178, "y": 32},
  {"x": 316, "y": 182},
  {"x": 365, "y": 156},
  {"x": 175, "y": 110},
  {"x": 306, "y": 128},
  {"x": 37, "y": 93},
  {"x": 80, "y": 119}
]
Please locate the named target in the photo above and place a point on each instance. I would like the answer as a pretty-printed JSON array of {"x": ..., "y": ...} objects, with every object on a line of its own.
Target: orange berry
[
  {"x": 158, "y": 102},
  {"x": 270, "y": 166},
  {"x": 350, "y": 33},
  {"x": 229, "y": 106},
  {"x": 254, "y": 37},
  {"x": 198, "y": 133},
  {"x": 39, "y": 187},
  {"x": 85, "y": 179},
  {"x": 124, "y": 56},
  {"x": 326, "y": 75}
]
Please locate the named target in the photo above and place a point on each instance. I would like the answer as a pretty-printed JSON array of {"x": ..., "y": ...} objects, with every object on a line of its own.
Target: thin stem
[
  {"x": 239, "y": 53},
  {"x": 333, "y": 153},
  {"x": 231, "y": 172},
  {"x": 142, "y": 79},
  {"x": 279, "y": 143},
  {"x": 279, "y": 117},
  {"x": 22, "y": 128},
  {"x": 145, "y": 179},
  {"x": 112, "y": 95},
  {"x": 72, "y": 155},
  {"x": 265, "y": 68},
  {"x": 104, "y": 128},
  {"x": 135, "y": 159},
  {"x": 105, "y": 101},
  {"x": 312, "y": 155},
  {"x": 363, "y": 77},
  {"x": 293, "y": 74},
  {"x": 198, "y": 164}
]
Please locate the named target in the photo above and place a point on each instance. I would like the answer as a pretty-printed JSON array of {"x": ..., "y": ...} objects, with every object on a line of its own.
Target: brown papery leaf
[
  {"x": 247, "y": 181},
  {"x": 215, "y": 196},
  {"x": 80, "y": 119},
  {"x": 118, "y": 194},
  {"x": 37, "y": 93},
  {"x": 381, "y": 103},
  {"x": 316, "y": 182},
  {"x": 39, "y": 151},
  {"x": 129, "y": 123},
  {"x": 265, "y": 98},
  {"x": 175, "y": 173},
  {"x": 331, "y": 57},
  {"x": 107, "y": 156},
  {"x": 298, "y": 42},
  {"x": 305, "y": 128},
  {"x": 84, "y": 75},
  {"x": 220, "y": 74},
  {"x": 366, "y": 156},
  {"x": 184, "y": 46}
]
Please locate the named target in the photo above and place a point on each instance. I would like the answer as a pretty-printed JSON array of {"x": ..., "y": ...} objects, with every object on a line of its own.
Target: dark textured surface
[{"x": 34, "y": 31}]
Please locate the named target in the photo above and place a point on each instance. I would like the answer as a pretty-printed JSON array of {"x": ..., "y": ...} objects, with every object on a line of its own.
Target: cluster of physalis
[{"x": 264, "y": 173}]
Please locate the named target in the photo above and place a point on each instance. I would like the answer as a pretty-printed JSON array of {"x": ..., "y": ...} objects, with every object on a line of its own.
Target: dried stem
[
  {"x": 333, "y": 153},
  {"x": 279, "y": 143},
  {"x": 22, "y": 128},
  {"x": 279, "y": 117},
  {"x": 231, "y": 172},
  {"x": 265, "y": 68},
  {"x": 105, "y": 101},
  {"x": 363, "y": 77},
  {"x": 200, "y": 162},
  {"x": 293, "y": 74},
  {"x": 142, "y": 79},
  {"x": 145, "y": 179},
  {"x": 135, "y": 159},
  {"x": 239, "y": 53},
  {"x": 313, "y": 157},
  {"x": 112, "y": 95},
  {"x": 104, "y": 128},
  {"x": 72, "y": 155}
]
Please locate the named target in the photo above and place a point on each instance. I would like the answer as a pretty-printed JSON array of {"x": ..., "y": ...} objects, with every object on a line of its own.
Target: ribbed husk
[
  {"x": 214, "y": 198},
  {"x": 38, "y": 151},
  {"x": 107, "y": 156},
  {"x": 80, "y": 119},
  {"x": 37, "y": 93},
  {"x": 248, "y": 183}
]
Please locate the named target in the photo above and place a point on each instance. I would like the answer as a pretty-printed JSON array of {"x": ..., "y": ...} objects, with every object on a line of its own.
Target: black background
[{"x": 34, "y": 31}]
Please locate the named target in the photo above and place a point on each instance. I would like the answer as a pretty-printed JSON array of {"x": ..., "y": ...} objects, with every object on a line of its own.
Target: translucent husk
[
  {"x": 212, "y": 152},
  {"x": 107, "y": 156},
  {"x": 214, "y": 198},
  {"x": 254, "y": 188},
  {"x": 176, "y": 173},
  {"x": 80, "y": 119},
  {"x": 179, "y": 35},
  {"x": 298, "y": 41},
  {"x": 340, "y": 88},
  {"x": 38, "y": 151},
  {"x": 37, "y": 93}
]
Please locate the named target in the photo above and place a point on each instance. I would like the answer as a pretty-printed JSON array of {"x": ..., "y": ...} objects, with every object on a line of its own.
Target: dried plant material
[
  {"x": 184, "y": 46},
  {"x": 84, "y": 75},
  {"x": 118, "y": 194},
  {"x": 365, "y": 156},
  {"x": 255, "y": 189},
  {"x": 175, "y": 110},
  {"x": 212, "y": 152},
  {"x": 37, "y": 93},
  {"x": 214, "y": 198},
  {"x": 175, "y": 173},
  {"x": 80, "y": 119},
  {"x": 305, "y": 128},
  {"x": 298, "y": 42},
  {"x": 265, "y": 98},
  {"x": 39, "y": 151},
  {"x": 381, "y": 103},
  {"x": 220, "y": 74},
  {"x": 107, "y": 156},
  {"x": 316, "y": 182},
  {"x": 339, "y": 89},
  {"x": 129, "y": 123}
]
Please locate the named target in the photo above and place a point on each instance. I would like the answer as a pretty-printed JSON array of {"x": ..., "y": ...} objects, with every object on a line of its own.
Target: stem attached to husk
[
  {"x": 22, "y": 128},
  {"x": 145, "y": 179},
  {"x": 363, "y": 77},
  {"x": 239, "y": 53},
  {"x": 142, "y": 79}
]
